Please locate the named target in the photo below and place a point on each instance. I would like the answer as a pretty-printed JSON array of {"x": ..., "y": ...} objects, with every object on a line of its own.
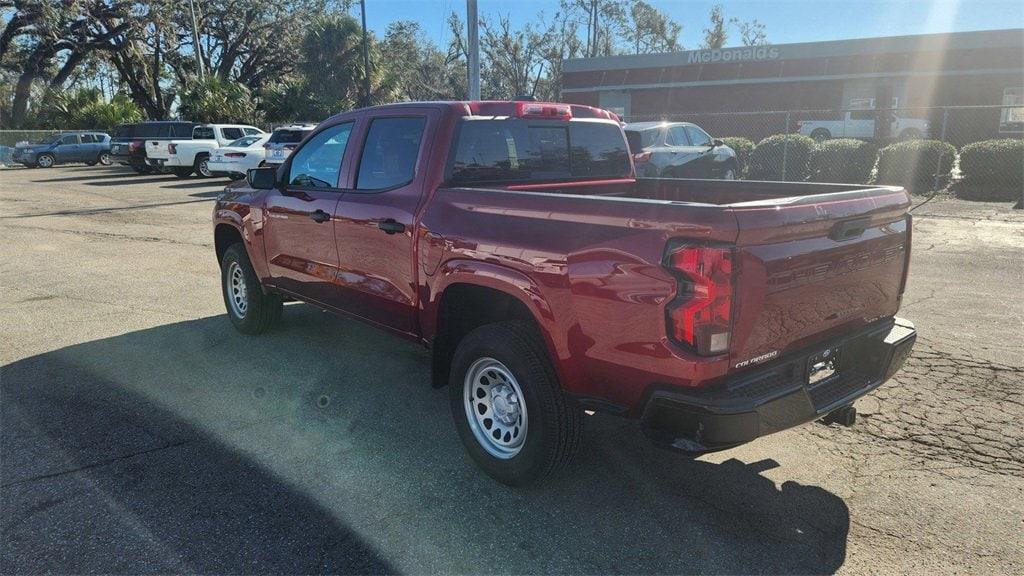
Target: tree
[
  {"x": 752, "y": 33},
  {"x": 716, "y": 36},
  {"x": 47, "y": 40},
  {"x": 603, "y": 21},
  {"x": 216, "y": 100},
  {"x": 514, "y": 58},
  {"x": 84, "y": 108},
  {"x": 649, "y": 30},
  {"x": 419, "y": 69}
]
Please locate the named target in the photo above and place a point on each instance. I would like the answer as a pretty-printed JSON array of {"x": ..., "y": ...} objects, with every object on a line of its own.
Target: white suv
[{"x": 284, "y": 140}]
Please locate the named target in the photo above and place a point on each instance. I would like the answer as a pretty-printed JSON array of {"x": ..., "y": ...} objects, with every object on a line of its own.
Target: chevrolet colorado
[{"x": 514, "y": 241}]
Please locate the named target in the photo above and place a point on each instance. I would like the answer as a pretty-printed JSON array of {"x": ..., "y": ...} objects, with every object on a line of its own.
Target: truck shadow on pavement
[{"x": 321, "y": 447}]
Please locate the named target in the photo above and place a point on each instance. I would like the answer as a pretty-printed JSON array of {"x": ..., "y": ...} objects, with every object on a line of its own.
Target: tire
[
  {"x": 910, "y": 134},
  {"x": 45, "y": 161},
  {"x": 182, "y": 172},
  {"x": 255, "y": 312},
  {"x": 508, "y": 360},
  {"x": 200, "y": 166},
  {"x": 820, "y": 134},
  {"x": 104, "y": 159}
]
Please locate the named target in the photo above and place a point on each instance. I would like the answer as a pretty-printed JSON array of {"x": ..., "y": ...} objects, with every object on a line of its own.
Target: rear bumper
[{"x": 778, "y": 396}]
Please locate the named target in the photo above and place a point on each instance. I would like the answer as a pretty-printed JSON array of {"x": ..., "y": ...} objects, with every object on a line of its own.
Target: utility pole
[
  {"x": 366, "y": 58},
  {"x": 195, "y": 35},
  {"x": 473, "y": 58}
]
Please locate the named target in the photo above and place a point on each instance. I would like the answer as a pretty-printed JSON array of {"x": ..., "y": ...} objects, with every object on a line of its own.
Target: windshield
[{"x": 516, "y": 150}]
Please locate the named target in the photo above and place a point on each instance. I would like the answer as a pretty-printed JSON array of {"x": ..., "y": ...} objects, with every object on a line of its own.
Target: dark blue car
[{"x": 89, "y": 147}]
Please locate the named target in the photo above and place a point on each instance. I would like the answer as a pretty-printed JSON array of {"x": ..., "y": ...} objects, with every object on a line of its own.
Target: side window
[
  {"x": 232, "y": 133},
  {"x": 69, "y": 139},
  {"x": 390, "y": 152},
  {"x": 88, "y": 139},
  {"x": 251, "y": 131},
  {"x": 698, "y": 137},
  {"x": 318, "y": 163},
  {"x": 677, "y": 136}
]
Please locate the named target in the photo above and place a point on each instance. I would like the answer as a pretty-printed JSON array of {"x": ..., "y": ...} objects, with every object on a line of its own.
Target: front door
[
  {"x": 376, "y": 217},
  {"x": 299, "y": 219},
  {"x": 69, "y": 149}
]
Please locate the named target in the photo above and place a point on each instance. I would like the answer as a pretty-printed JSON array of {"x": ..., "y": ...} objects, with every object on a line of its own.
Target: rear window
[
  {"x": 125, "y": 131},
  {"x": 202, "y": 133},
  {"x": 232, "y": 133},
  {"x": 516, "y": 150},
  {"x": 286, "y": 136}
]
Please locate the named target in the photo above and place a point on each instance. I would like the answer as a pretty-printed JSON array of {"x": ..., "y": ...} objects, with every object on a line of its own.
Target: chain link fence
[{"x": 975, "y": 152}]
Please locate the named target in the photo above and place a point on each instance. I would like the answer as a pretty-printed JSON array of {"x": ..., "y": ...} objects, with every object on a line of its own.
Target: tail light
[
  {"x": 906, "y": 253},
  {"x": 172, "y": 149},
  {"x": 700, "y": 317},
  {"x": 235, "y": 155},
  {"x": 543, "y": 110},
  {"x": 642, "y": 158}
]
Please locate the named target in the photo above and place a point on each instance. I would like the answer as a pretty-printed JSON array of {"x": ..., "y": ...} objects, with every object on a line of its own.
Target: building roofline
[{"x": 1008, "y": 38}]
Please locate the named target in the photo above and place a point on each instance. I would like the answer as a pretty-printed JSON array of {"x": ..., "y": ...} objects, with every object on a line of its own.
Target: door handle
[
  {"x": 320, "y": 216},
  {"x": 390, "y": 226}
]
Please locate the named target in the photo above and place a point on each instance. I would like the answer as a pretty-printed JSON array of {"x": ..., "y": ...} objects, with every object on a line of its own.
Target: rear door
[
  {"x": 376, "y": 216},
  {"x": 299, "y": 230},
  {"x": 817, "y": 267}
]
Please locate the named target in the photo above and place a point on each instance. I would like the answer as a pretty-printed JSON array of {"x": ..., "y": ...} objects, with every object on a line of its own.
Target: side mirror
[
  {"x": 717, "y": 142},
  {"x": 262, "y": 178}
]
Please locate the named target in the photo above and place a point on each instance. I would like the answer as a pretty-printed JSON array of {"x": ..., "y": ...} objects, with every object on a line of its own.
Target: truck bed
[{"x": 814, "y": 260}]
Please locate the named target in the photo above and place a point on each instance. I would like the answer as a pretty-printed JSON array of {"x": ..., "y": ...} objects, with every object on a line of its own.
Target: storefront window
[{"x": 1012, "y": 119}]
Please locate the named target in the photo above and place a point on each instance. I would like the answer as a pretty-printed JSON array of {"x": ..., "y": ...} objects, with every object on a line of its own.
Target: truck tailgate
[
  {"x": 815, "y": 267},
  {"x": 157, "y": 149}
]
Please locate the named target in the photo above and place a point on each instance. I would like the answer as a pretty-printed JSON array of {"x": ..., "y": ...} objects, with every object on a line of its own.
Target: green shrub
[
  {"x": 766, "y": 161},
  {"x": 843, "y": 160},
  {"x": 742, "y": 147},
  {"x": 914, "y": 164},
  {"x": 991, "y": 170}
]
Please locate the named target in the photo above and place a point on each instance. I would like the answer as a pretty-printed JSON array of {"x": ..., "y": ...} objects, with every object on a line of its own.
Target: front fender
[{"x": 235, "y": 208}]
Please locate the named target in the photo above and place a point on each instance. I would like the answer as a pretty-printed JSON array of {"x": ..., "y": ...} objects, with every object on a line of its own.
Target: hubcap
[
  {"x": 105, "y": 159},
  {"x": 45, "y": 161},
  {"x": 730, "y": 175},
  {"x": 204, "y": 169},
  {"x": 237, "y": 295},
  {"x": 495, "y": 408}
]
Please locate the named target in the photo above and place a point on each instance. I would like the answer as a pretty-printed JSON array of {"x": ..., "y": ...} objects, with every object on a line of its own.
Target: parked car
[
  {"x": 512, "y": 239},
  {"x": 860, "y": 124},
  {"x": 129, "y": 143},
  {"x": 185, "y": 156},
  {"x": 679, "y": 150},
  {"x": 284, "y": 140},
  {"x": 238, "y": 157},
  {"x": 89, "y": 147}
]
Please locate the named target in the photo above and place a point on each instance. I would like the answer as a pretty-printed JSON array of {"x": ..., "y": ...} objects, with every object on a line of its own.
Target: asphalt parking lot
[{"x": 141, "y": 433}]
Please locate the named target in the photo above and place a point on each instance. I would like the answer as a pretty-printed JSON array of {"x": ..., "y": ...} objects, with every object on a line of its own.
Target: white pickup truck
[
  {"x": 183, "y": 157},
  {"x": 861, "y": 124}
]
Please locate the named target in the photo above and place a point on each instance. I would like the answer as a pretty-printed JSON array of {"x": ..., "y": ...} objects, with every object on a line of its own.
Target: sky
[{"x": 785, "y": 21}]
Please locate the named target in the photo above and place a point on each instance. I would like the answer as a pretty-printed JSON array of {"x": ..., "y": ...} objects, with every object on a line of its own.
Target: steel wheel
[
  {"x": 495, "y": 408},
  {"x": 105, "y": 159},
  {"x": 45, "y": 161},
  {"x": 237, "y": 294}
]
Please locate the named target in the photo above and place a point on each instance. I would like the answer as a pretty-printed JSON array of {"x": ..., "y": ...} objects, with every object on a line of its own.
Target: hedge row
[{"x": 990, "y": 170}]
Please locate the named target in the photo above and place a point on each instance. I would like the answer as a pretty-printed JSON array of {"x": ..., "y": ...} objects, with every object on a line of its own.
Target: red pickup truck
[{"x": 513, "y": 240}]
